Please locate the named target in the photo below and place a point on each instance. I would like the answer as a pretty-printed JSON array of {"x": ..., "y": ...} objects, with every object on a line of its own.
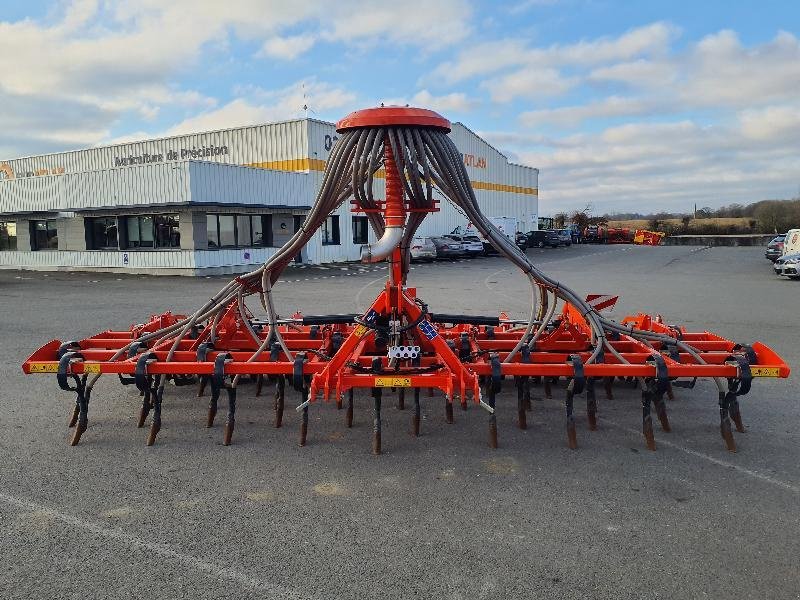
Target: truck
[{"x": 506, "y": 225}]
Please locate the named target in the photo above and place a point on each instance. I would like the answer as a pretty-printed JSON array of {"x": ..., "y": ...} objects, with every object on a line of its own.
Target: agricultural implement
[{"x": 399, "y": 342}]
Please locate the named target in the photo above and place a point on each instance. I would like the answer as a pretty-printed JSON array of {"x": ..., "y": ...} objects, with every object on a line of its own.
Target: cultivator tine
[
  {"x": 608, "y": 383},
  {"x": 74, "y": 416},
  {"x": 201, "y": 389},
  {"x": 448, "y": 410},
  {"x": 83, "y": 414},
  {"x": 572, "y": 436},
  {"x": 231, "y": 420},
  {"x": 259, "y": 384},
  {"x": 490, "y": 400},
  {"x": 670, "y": 392},
  {"x": 155, "y": 425},
  {"x": 591, "y": 404},
  {"x": 548, "y": 390},
  {"x": 212, "y": 407},
  {"x": 725, "y": 422},
  {"x": 736, "y": 415},
  {"x": 647, "y": 419},
  {"x": 401, "y": 399},
  {"x": 144, "y": 410},
  {"x": 522, "y": 416},
  {"x": 661, "y": 411},
  {"x": 280, "y": 393}
]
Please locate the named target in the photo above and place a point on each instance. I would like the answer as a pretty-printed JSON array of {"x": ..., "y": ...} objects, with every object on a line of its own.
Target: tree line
[{"x": 765, "y": 216}]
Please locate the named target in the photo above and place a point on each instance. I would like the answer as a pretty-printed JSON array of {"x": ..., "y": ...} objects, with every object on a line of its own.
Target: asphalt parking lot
[{"x": 438, "y": 516}]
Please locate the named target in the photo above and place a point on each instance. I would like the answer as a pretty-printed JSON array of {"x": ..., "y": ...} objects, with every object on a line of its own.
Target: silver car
[
  {"x": 788, "y": 265},
  {"x": 471, "y": 245},
  {"x": 423, "y": 248}
]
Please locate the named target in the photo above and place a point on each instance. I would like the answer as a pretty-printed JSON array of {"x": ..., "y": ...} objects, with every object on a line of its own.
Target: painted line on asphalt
[
  {"x": 719, "y": 462},
  {"x": 130, "y": 540}
]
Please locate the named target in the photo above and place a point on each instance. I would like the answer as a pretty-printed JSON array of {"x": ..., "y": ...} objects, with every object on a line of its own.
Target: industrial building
[{"x": 211, "y": 203}]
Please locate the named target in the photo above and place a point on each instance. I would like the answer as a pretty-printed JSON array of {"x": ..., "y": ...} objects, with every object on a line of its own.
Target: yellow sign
[
  {"x": 43, "y": 368},
  {"x": 91, "y": 368},
  {"x": 359, "y": 331},
  {"x": 765, "y": 371},
  {"x": 392, "y": 382}
]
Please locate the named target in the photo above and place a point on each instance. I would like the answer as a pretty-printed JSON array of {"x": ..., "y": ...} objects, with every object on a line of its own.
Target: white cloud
[{"x": 287, "y": 48}]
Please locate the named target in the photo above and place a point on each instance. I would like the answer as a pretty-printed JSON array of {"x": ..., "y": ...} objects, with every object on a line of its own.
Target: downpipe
[{"x": 372, "y": 253}]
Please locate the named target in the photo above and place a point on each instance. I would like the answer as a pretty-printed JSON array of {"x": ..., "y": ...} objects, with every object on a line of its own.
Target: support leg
[
  {"x": 377, "y": 394},
  {"x": 349, "y": 414},
  {"x": 416, "y": 418}
]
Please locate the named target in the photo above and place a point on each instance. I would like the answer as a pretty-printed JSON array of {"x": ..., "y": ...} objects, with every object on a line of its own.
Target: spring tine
[
  {"x": 401, "y": 399},
  {"x": 725, "y": 422},
  {"x": 203, "y": 383},
  {"x": 522, "y": 416},
  {"x": 231, "y": 420},
  {"x": 304, "y": 420},
  {"x": 526, "y": 382},
  {"x": 609, "y": 385},
  {"x": 736, "y": 414},
  {"x": 647, "y": 419},
  {"x": 670, "y": 392},
  {"x": 572, "y": 436},
  {"x": 448, "y": 410},
  {"x": 259, "y": 384},
  {"x": 145, "y": 409},
  {"x": 155, "y": 425},
  {"x": 591, "y": 404},
  {"x": 280, "y": 392},
  {"x": 492, "y": 417},
  {"x": 83, "y": 413},
  {"x": 74, "y": 417},
  {"x": 661, "y": 411},
  {"x": 548, "y": 390}
]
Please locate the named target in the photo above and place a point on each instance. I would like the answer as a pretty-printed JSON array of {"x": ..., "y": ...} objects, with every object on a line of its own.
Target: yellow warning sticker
[
  {"x": 392, "y": 382},
  {"x": 359, "y": 331},
  {"x": 91, "y": 368},
  {"x": 765, "y": 371},
  {"x": 43, "y": 367}
]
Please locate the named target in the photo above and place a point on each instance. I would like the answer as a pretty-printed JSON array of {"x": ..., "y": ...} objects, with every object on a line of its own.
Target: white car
[
  {"x": 423, "y": 248},
  {"x": 471, "y": 245},
  {"x": 788, "y": 265}
]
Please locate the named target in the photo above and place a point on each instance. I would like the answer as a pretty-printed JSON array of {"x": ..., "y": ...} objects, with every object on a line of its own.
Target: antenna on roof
[{"x": 306, "y": 107}]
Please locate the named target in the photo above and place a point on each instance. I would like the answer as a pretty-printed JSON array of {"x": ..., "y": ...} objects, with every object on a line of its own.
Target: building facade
[{"x": 211, "y": 203}]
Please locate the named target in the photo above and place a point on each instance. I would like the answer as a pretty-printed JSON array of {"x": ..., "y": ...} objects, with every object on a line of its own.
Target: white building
[{"x": 210, "y": 203}]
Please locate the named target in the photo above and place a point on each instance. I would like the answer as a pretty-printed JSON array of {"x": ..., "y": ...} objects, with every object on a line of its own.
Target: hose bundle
[{"x": 427, "y": 161}]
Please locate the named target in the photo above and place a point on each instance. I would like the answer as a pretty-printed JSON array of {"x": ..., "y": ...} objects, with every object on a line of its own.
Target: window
[
  {"x": 360, "y": 230},
  {"x": 8, "y": 235},
  {"x": 232, "y": 231},
  {"x": 44, "y": 235},
  {"x": 330, "y": 231},
  {"x": 101, "y": 233},
  {"x": 152, "y": 231}
]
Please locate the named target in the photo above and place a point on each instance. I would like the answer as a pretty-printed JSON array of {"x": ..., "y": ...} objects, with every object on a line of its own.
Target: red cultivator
[{"x": 398, "y": 342}]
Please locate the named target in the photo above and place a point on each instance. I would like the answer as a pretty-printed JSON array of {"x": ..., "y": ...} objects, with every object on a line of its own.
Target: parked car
[
  {"x": 788, "y": 265},
  {"x": 447, "y": 248},
  {"x": 775, "y": 248},
  {"x": 423, "y": 248},
  {"x": 541, "y": 239},
  {"x": 791, "y": 245},
  {"x": 471, "y": 244},
  {"x": 521, "y": 241},
  {"x": 564, "y": 236}
]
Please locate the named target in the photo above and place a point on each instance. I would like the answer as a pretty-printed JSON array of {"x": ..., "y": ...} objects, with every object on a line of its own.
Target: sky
[{"x": 625, "y": 106}]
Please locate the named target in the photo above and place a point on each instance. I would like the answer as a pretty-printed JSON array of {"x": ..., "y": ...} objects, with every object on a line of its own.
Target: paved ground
[{"x": 439, "y": 516}]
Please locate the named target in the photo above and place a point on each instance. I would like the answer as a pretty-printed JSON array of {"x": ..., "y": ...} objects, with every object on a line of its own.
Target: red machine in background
[{"x": 400, "y": 342}]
